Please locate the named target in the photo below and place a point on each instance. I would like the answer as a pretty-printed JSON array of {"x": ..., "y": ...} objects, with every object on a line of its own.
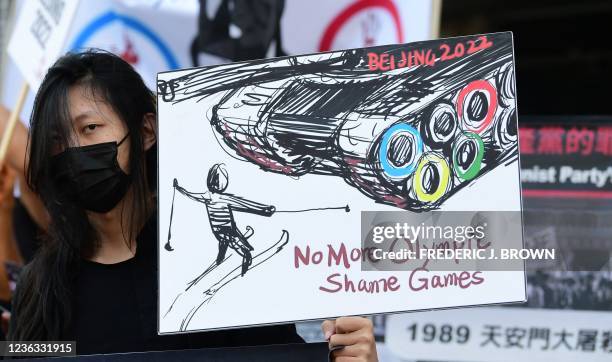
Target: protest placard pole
[
  {"x": 436, "y": 13},
  {"x": 13, "y": 119}
]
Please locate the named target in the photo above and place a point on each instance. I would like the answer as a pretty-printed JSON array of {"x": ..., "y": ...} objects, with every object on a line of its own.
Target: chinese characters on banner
[
  {"x": 566, "y": 160},
  {"x": 501, "y": 334}
]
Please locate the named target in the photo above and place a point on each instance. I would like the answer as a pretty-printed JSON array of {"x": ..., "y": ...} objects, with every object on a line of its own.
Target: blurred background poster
[{"x": 161, "y": 35}]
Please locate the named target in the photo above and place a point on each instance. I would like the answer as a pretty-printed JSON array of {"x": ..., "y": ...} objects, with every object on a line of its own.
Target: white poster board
[
  {"x": 39, "y": 36},
  {"x": 265, "y": 167}
]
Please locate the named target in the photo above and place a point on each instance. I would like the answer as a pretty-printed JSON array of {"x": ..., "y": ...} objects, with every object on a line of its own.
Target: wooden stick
[
  {"x": 13, "y": 119},
  {"x": 436, "y": 13}
]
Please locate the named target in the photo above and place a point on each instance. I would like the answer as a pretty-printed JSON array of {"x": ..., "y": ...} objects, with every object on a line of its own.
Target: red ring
[
  {"x": 478, "y": 85},
  {"x": 332, "y": 29}
]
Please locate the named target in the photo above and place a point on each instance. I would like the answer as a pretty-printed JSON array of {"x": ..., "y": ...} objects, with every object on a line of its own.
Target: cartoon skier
[{"x": 221, "y": 207}]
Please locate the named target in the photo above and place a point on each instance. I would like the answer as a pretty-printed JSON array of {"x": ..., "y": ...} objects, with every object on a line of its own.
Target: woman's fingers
[
  {"x": 356, "y": 334},
  {"x": 351, "y": 324},
  {"x": 353, "y": 338},
  {"x": 329, "y": 328},
  {"x": 349, "y": 359},
  {"x": 358, "y": 352}
]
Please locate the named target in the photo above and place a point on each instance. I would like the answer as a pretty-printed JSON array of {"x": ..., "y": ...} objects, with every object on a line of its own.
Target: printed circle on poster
[
  {"x": 130, "y": 38},
  {"x": 377, "y": 21}
]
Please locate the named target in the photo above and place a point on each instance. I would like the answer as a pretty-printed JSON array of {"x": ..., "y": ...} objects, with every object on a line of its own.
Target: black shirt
[
  {"x": 116, "y": 309},
  {"x": 27, "y": 233}
]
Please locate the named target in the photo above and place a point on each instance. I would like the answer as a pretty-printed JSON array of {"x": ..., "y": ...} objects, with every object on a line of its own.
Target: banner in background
[
  {"x": 344, "y": 24},
  {"x": 566, "y": 159},
  {"x": 501, "y": 334},
  {"x": 157, "y": 36},
  {"x": 39, "y": 36},
  {"x": 150, "y": 36},
  {"x": 248, "y": 30}
]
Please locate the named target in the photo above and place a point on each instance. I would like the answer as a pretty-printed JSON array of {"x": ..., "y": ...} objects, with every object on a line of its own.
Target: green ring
[{"x": 474, "y": 168}]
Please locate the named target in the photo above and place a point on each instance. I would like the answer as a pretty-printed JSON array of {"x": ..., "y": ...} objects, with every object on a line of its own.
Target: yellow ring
[{"x": 444, "y": 171}]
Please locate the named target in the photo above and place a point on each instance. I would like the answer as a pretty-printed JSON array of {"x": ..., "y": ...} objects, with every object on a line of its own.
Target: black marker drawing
[
  {"x": 405, "y": 125},
  {"x": 220, "y": 209},
  {"x": 410, "y": 137}
]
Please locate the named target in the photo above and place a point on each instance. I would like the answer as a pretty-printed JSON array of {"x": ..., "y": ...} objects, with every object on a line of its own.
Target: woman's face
[{"x": 94, "y": 121}]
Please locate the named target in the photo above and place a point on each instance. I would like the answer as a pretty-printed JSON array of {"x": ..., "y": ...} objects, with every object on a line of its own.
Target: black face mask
[{"x": 91, "y": 176}]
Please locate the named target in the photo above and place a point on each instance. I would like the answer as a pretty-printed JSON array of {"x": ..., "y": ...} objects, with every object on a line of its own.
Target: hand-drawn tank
[{"x": 409, "y": 138}]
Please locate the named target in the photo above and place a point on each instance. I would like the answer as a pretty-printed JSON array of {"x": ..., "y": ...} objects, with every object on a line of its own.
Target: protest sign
[
  {"x": 36, "y": 42},
  {"x": 268, "y": 167},
  {"x": 39, "y": 36}
]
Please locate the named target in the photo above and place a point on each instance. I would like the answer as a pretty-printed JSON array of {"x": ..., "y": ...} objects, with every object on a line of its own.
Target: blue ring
[
  {"x": 111, "y": 16},
  {"x": 385, "y": 143}
]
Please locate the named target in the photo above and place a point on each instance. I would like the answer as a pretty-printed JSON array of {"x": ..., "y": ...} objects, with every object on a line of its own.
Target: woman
[{"x": 92, "y": 160}]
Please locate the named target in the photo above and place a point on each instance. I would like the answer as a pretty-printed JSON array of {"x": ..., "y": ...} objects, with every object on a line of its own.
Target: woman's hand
[{"x": 356, "y": 334}]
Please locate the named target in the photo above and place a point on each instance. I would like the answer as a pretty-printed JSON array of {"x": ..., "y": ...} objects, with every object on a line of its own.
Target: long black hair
[{"x": 44, "y": 301}]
